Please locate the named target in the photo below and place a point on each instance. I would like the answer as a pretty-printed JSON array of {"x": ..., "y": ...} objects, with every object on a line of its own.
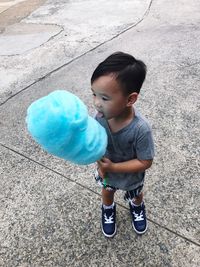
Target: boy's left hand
[{"x": 105, "y": 165}]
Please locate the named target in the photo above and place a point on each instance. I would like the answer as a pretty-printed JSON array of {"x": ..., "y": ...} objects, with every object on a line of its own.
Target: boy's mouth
[{"x": 100, "y": 114}]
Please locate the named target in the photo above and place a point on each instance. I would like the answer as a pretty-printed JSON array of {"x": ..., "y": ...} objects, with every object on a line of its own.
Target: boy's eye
[
  {"x": 105, "y": 98},
  {"x": 93, "y": 94}
]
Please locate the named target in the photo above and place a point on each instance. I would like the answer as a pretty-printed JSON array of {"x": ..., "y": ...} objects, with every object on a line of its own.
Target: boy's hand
[{"x": 104, "y": 165}]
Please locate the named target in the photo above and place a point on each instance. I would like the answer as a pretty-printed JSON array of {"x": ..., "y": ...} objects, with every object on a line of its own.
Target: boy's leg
[
  {"x": 107, "y": 196},
  {"x": 138, "y": 199},
  {"x": 108, "y": 222}
]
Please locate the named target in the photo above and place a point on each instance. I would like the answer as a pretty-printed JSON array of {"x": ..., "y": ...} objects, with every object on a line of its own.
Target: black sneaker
[
  {"x": 108, "y": 222},
  {"x": 139, "y": 220}
]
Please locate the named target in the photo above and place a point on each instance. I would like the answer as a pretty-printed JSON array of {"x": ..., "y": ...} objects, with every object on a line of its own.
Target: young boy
[{"x": 116, "y": 84}]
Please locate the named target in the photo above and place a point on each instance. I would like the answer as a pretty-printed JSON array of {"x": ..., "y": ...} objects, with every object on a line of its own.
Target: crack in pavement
[
  {"x": 15, "y": 13},
  {"x": 31, "y": 28},
  {"x": 80, "y": 56},
  {"x": 89, "y": 189}
]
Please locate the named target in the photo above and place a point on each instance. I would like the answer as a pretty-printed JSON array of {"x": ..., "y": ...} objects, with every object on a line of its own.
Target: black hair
[{"x": 130, "y": 72}]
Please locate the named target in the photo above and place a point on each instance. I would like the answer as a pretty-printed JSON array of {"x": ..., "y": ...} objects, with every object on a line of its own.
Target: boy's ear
[{"x": 132, "y": 98}]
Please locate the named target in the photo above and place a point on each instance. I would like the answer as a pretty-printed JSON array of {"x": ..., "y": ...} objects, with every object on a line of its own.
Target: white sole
[
  {"x": 140, "y": 233},
  {"x": 106, "y": 235}
]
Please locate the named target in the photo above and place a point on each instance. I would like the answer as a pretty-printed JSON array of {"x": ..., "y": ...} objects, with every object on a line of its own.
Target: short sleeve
[{"x": 145, "y": 144}]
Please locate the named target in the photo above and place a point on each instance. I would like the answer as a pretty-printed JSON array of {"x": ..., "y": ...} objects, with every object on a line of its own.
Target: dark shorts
[{"x": 128, "y": 195}]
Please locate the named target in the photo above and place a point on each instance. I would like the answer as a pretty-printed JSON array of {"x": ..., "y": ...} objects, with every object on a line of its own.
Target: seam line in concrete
[
  {"x": 80, "y": 56},
  {"x": 50, "y": 38},
  {"x": 89, "y": 189},
  {"x": 19, "y": 17}
]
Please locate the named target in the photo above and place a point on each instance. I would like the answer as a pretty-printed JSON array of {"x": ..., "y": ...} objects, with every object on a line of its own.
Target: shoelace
[
  {"x": 109, "y": 219},
  {"x": 138, "y": 217}
]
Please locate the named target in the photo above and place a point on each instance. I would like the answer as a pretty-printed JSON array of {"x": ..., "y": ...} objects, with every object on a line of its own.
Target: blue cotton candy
[{"x": 60, "y": 123}]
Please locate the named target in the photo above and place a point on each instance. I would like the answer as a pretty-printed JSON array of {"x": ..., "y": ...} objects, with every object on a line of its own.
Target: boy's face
[{"x": 108, "y": 97}]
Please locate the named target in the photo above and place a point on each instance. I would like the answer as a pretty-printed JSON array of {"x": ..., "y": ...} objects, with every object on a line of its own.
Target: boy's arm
[
  {"x": 134, "y": 165},
  {"x": 144, "y": 148}
]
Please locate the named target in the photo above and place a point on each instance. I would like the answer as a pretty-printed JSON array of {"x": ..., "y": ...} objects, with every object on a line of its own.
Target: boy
[{"x": 116, "y": 83}]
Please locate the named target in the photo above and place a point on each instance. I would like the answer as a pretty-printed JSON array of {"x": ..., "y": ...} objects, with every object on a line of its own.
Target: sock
[
  {"x": 109, "y": 207},
  {"x": 134, "y": 205}
]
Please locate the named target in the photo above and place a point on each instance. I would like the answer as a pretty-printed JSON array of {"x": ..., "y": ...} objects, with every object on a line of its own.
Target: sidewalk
[
  {"x": 57, "y": 33},
  {"x": 50, "y": 209}
]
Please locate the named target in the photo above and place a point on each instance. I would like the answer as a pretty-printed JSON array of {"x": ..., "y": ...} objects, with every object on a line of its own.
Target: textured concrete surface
[
  {"x": 41, "y": 195},
  {"x": 84, "y": 24},
  {"x": 18, "y": 39},
  {"x": 51, "y": 221}
]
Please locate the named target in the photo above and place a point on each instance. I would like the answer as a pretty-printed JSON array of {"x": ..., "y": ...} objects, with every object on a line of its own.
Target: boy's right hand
[{"x": 101, "y": 172}]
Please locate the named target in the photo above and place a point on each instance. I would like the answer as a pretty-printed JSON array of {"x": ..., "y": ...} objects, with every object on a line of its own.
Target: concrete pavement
[
  {"x": 55, "y": 34},
  {"x": 41, "y": 195}
]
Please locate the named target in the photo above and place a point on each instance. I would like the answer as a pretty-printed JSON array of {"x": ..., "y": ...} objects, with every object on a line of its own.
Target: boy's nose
[{"x": 97, "y": 103}]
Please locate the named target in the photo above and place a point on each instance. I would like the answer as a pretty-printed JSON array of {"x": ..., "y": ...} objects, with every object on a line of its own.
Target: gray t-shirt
[{"x": 132, "y": 142}]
